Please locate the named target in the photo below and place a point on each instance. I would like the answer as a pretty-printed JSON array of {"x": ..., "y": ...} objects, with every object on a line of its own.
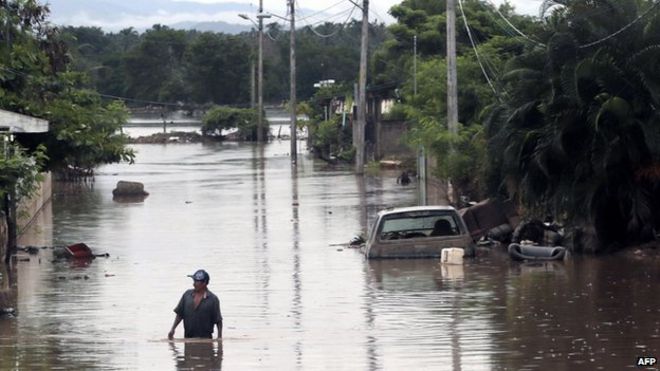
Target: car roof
[{"x": 397, "y": 210}]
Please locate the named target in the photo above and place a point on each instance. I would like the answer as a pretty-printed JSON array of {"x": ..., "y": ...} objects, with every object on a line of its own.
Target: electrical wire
[
  {"x": 474, "y": 47},
  {"x": 327, "y": 18},
  {"x": 378, "y": 16},
  {"x": 339, "y": 28},
  {"x": 320, "y": 11},
  {"x": 622, "y": 29},
  {"x": 271, "y": 36},
  {"x": 513, "y": 26},
  {"x": 99, "y": 94}
]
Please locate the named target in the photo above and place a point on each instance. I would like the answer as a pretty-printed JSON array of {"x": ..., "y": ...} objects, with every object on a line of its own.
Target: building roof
[{"x": 16, "y": 123}]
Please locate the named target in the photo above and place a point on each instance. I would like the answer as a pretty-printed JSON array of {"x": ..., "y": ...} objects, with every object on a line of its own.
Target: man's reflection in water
[{"x": 198, "y": 355}]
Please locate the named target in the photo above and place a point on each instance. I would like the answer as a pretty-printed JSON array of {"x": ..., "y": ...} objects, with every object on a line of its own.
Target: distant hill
[
  {"x": 114, "y": 15},
  {"x": 223, "y": 27}
]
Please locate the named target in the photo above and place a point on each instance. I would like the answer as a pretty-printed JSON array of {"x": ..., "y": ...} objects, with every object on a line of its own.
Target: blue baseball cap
[{"x": 200, "y": 275}]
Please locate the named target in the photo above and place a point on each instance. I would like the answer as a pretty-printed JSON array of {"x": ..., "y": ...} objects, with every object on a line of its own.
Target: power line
[
  {"x": 624, "y": 28},
  {"x": 318, "y": 12},
  {"x": 474, "y": 47},
  {"x": 378, "y": 16},
  {"x": 327, "y": 18},
  {"x": 513, "y": 26},
  {"x": 271, "y": 36},
  {"x": 339, "y": 28},
  {"x": 29, "y": 76}
]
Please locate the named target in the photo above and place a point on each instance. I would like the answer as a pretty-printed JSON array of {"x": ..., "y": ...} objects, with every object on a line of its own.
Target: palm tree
[{"x": 578, "y": 127}]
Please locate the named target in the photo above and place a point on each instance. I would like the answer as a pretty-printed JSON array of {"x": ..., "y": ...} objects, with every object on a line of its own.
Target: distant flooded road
[{"x": 292, "y": 295}]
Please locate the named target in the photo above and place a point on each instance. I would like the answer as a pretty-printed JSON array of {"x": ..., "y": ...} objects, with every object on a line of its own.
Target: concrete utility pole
[
  {"x": 415, "y": 65},
  {"x": 253, "y": 86},
  {"x": 421, "y": 154},
  {"x": 358, "y": 139},
  {"x": 292, "y": 96},
  {"x": 260, "y": 67},
  {"x": 452, "y": 80},
  {"x": 260, "y": 87}
]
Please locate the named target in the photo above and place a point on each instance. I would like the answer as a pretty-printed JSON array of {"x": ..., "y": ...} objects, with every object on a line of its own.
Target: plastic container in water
[{"x": 452, "y": 255}]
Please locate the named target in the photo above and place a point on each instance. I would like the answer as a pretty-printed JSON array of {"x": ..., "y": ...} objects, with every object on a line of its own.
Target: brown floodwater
[{"x": 292, "y": 296}]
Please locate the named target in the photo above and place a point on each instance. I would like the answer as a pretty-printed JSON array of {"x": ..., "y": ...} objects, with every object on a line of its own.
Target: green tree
[
  {"x": 461, "y": 158},
  {"x": 20, "y": 171},
  {"x": 219, "y": 118},
  {"x": 330, "y": 138},
  {"x": 154, "y": 68},
  {"x": 214, "y": 63},
  {"x": 578, "y": 134},
  {"x": 34, "y": 80}
]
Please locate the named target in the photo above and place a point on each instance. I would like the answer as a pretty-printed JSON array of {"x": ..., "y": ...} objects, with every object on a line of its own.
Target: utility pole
[
  {"x": 253, "y": 86},
  {"x": 452, "y": 81},
  {"x": 358, "y": 140},
  {"x": 260, "y": 87},
  {"x": 260, "y": 68},
  {"x": 292, "y": 94},
  {"x": 415, "y": 65},
  {"x": 421, "y": 154}
]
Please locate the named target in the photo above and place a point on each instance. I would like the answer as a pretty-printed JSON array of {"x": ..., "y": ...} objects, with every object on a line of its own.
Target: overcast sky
[
  {"x": 379, "y": 7},
  {"x": 114, "y": 15}
]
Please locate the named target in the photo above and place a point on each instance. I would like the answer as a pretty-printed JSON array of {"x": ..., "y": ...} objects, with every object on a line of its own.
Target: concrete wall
[
  {"x": 389, "y": 142},
  {"x": 7, "y": 289},
  {"x": 3, "y": 236},
  {"x": 27, "y": 210},
  {"x": 437, "y": 192}
]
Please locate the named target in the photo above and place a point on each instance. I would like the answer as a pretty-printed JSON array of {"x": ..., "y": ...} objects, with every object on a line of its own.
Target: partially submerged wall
[
  {"x": 26, "y": 211},
  {"x": 7, "y": 289},
  {"x": 3, "y": 236}
]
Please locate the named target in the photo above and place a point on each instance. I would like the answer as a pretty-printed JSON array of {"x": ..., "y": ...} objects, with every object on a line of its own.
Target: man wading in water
[{"x": 199, "y": 309}]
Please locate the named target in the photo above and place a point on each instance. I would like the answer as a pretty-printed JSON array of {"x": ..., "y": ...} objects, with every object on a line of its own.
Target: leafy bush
[
  {"x": 219, "y": 118},
  {"x": 326, "y": 134},
  {"x": 396, "y": 113},
  {"x": 19, "y": 172},
  {"x": 331, "y": 140}
]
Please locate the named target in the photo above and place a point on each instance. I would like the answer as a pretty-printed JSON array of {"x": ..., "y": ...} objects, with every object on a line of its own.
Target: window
[{"x": 418, "y": 224}]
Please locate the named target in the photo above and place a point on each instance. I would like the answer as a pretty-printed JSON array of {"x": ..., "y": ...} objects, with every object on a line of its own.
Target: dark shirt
[{"x": 198, "y": 322}]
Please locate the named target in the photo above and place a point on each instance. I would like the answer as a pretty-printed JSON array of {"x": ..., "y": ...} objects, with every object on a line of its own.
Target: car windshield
[{"x": 428, "y": 223}]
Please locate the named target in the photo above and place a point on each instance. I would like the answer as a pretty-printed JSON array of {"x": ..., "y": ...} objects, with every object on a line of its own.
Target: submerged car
[{"x": 417, "y": 232}]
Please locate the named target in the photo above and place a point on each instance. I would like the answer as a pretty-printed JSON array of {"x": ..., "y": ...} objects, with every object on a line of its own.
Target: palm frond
[{"x": 548, "y": 4}]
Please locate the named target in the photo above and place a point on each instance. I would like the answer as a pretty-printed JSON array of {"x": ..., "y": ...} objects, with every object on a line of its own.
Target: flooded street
[{"x": 292, "y": 296}]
